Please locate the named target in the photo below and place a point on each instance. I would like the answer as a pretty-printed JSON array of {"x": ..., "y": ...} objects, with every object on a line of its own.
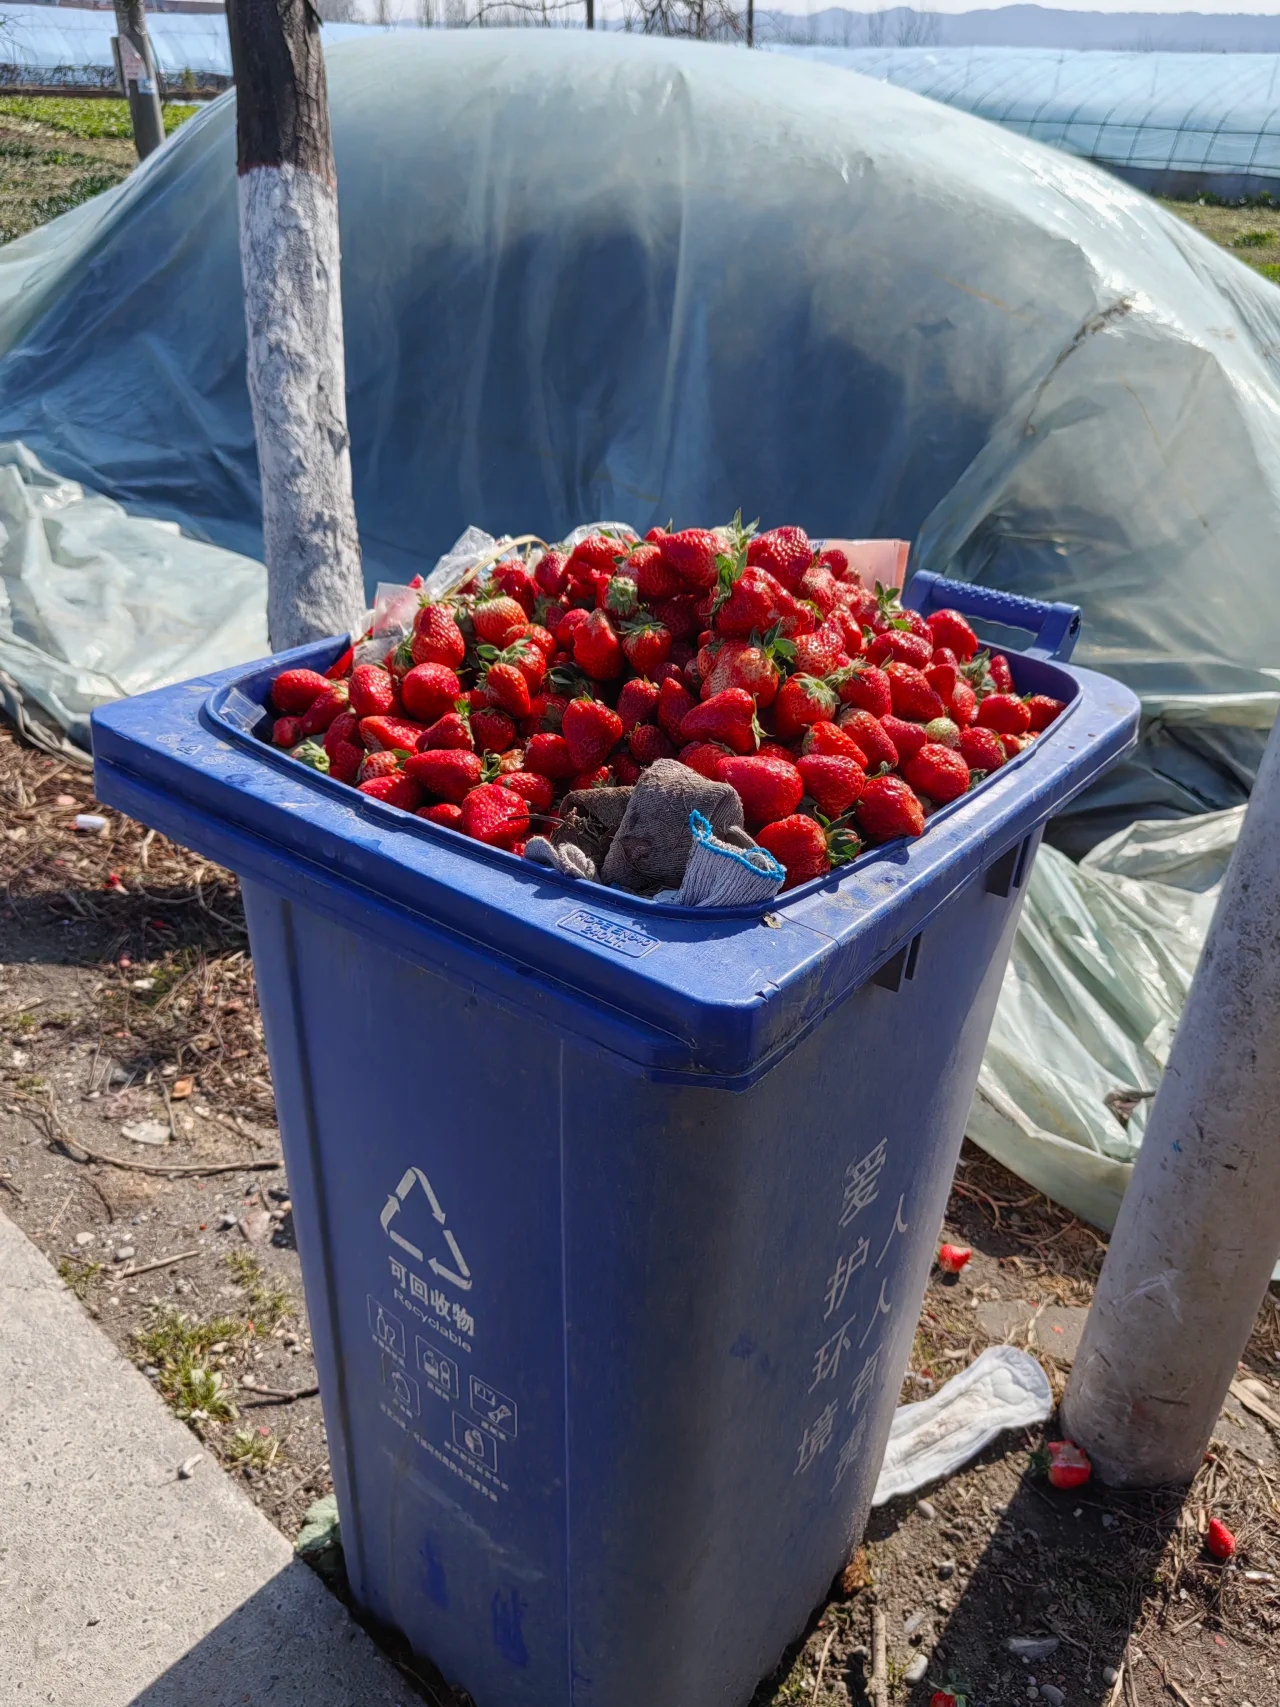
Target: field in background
[{"x": 1251, "y": 233}]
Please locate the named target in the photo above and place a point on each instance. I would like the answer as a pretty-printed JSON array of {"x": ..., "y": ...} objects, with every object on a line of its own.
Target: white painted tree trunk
[
  {"x": 1199, "y": 1228},
  {"x": 293, "y": 314}
]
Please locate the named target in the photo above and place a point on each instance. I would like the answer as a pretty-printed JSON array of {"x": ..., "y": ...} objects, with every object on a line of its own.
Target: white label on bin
[
  {"x": 608, "y": 933},
  {"x": 453, "y": 1267}
]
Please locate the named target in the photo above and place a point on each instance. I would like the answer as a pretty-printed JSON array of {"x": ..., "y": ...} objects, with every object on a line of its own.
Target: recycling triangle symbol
[{"x": 459, "y": 1274}]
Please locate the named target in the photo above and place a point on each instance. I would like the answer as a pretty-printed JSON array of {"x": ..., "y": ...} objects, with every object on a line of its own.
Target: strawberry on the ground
[
  {"x": 871, "y": 735},
  {"x": 600, "y": 777},
  {"x": 806, "y": 849},
  {"x": 729, "y": 716},
  {"x": 285, "y": 731},
  {"x": 821, "y": 652},
  {"x": 675, "y": 702},
  {"x": 446, "y": 772},
  {"x": 345, "y": 759},
  {"x": 801, "y": 702},
  {"x": 833, "y": 783},
  {"x": 505, "y": 683},
  {"x": 912, "y": 696},
  {"x": 535, "y": 789},
  {"x": 865, "y": 687},
  {"x": 324, "y": 708},
  {"x": 492, "y": 730},
  {"x": 943, "y": 731},
  {"x": 498, "y": 621},
  {"x": 744, "y": 664},
  {"x": 549, "y": 573},
  {"x": 1044, "y": 710},
  {"x": 982, "y": 749},
  {"x": 908, "y": 738},
  {"x": 394, "y": 790},
  {"x": 390, "y": 734},
  {"x": 1001, "y": 674},
  {"x": 637, "y": 702},
  {"x": 451, "y": 730},
  {"x": 548, "y": 755},
  {"x": 888, "y": 809},
  {"x": 901, "y": 646},
  {"x": 372, "y": 691},
  {"x": 296, "y": 691},
  {"x": 1219, "y": 1539},
  {"x": 592, "y": 730},
  {"x": 647, "y": 645},
  {"x": 952, "y": 1258},
  {"x": 938, "y": 772},
  {"x": 626, "y": 770},
  {"x": 703, "y": 757},
  {"x": 769, "y": 789},
  {"x": 785, "y": 552},
  {"x": 828, "y": 739},
  {"x": 950, "y": 629},
  {"x": 655, "y": 577},
  {"x": 647, "y": 743},
  {"x": 517, "y": 583},
  {"x": 437, "y": 639},
  {"x": 429, "y": 690},
  {"x": 1005, "y": 713},
  {"x": 1068, "y": 1465},
  {"x": 597, "y": 649},
  {"x": 692, "y": 553},
  {"x": 495, "y": 815}
]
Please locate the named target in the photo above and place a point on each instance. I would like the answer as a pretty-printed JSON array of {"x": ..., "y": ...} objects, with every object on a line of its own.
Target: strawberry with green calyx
[
  {"x": 622, "y": 597},
  {"x": 536, "y": 638},
  {"x": 943, "y": 731},
  {"x": 1005, "y": 713},
  {"x": 429, "y": 690},
  {"x": 833, "y": 782},
  {"x": 324, "y": 708},
  {"x": 390, "y": 734},
  {"x": 728, "y": 717},
  {"x": 871, "y": 735},
  {"x": 596, "y": 648},
  {"x": 1063, "y": 1462},
  {"x": 977, "y": 673},
  {"x": 911, "y": 694},
  {"x": 495, "y": 815},
  {"x": 647, "y": 743},
  {"x": 592, "y": 730},
  {"x": 981, "y": 749},
  {"x": 492, "y": 730},
  {"x": 600, "y": 777},
  {"x": 704, "y": 757},
  {"x": 802, "y": 701},
  {"x": 447, "y": 772},
  {"x": 294, "y": 692},
  {"x": 693, "y": 553},
  {"x": 907, "y": 737},
  {"x": 888, "y": 809},
  {"x": 451, "y": 730},
  {"x": 548, "y": 755},
  {"x": 311, "y": 754},
  {"x": 395, "y": 789},
  {"x": 785, "y": 552},
  {"x": 444, "y": 812},
  {"x": 1044, "y": 710},
  {"x": 637, "y": 702},
  {"x": 372, "y": 691},
  {"x": 436, "y": 637},
  {"x": 827, "y": 739},
  {"x": 865, "y": 687},
  {"x": 387, "y": 762},
  {"x": 755, "y": 665},
  {"x": 547, "y": 710},
  {"x": 498, "y": 620},
  {"x": 505, "y": 682},
  {"x": 769, "y": 788},
  {"x": 894, "y": 645},
  {"x": 808, "y": 847},
  {"x": 646, "y": 645},
  {"x": 285, "y": 731}
]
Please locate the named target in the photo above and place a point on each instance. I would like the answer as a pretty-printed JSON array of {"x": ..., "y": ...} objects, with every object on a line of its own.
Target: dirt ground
[{"x": 129, "y": 1030}]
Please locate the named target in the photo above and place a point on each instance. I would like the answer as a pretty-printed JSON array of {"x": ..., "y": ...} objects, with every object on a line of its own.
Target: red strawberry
[
  {"x": 393, "y": 790},
  {"x": 753, "y": 603},
  {"x": 769, "y": 789},
  {"x": 549, "y": 573},
  {"x": 597, "y": 552},
  {"x": 296, "y": 691},
  {"x": 385, "y": 763},
  {"x": 517, "y": 583},
  {"x": 592, "y": 730},
  {"x": 675, "y": 702},
  {"x": 340, "y": 668},
  {"x": 692, "y": 553},
  {"x": 600, "y": 777},
  {"x": 785, "y": 552},
  {"x": 596, "y": 648},
  {"x": 548, "y": 709},
  {"x": 345, "y": 759},
  {"x": 451, "y": 730},
  {"x": 948, "y": 628},
  {"x": 624, "y": 768},
  {"x": 647, "y": 646},
  {"x": 691, "y": 679},
  {"x": 286, "y": 731},
  {"x": 498, "y": 621},
  {"x": 729, "y": 717},
  {"x": 492, "y": 730},
  {"x": 648, "y": 743},
  {"x": 943, "y": 731},
  {"x": 908, "y": 738},
  {"x": 1219, "y": 1539},
  {"x": 905, "y": 647},
  {"x": 390, "y": 734},
  {"x": 805, "y": 848},
  {"x": 638, "y": 702},
  {"x": 505, "y": 684},
  {"x": 912, "y": 696},
  {"x": 568, "y": 626},
  {"x": 888, "y": 809},
  {"x": 982, "y": 749},
  {"x": 1044, "y": 710},
  {"x": 1001, "y": 674},
  {"x": 820, "y": 653},
  {"x": 437, "y": 639},
  {"x": 939, "y": 772},
  {"x": 1015, "y": 744},
  {"x": 827, "y": 740},
  {"x": 324, "y": 708},
  {"x": 447, "y": 772},
  {"x": 1005, "y": 713},
  {"x": 952, "y": 1258},
  {"x": 443, "y": 812},
  {"x": 851, "y": 630},
  {"x": 742, "y": 664},
  {"x": 819, "y": 587},
  {"x": 495, "y": 815},
  {"x": 703, "y": 757},
  {"x": 537, "y": 790},
  {"x": 1069, "y": 1467},
  {"x": 621, "y": 598},
  {"x": 548, "y": 755},
  {"x": 942, "y": 678},
  {"x": 963, "y": 704},
  {"x": 872, "y": 736},
  {"x": 536, "y": 637},
  {"x": 801, "y": 701},
  {"x": 865, "y": 687},
  {"x": 429, "y": 690},
  {"x": 345, "y": 727},
  {"x": 372, "y": 691},
  {"x": 831, "y": 782},
  {"x": 655, "y": 577},
  {"x": 831, "y": 557}
]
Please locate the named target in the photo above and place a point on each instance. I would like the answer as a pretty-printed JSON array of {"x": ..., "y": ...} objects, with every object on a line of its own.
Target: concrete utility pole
[
  {"x": 1199, "y": 1228},
  {"x": 293, "y": 313},
  {"x": 137, "y": 68}
]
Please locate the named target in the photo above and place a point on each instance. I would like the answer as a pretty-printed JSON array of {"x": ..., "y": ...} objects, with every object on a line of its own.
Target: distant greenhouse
[{"x": 1179, "y": 124}]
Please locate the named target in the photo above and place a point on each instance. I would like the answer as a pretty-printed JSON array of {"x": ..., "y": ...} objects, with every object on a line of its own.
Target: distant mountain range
[{"x": 1028, "y": 26}]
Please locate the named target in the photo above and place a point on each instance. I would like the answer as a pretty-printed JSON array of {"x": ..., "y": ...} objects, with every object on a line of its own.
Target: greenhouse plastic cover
[
  {"x": 599, "y": 274},
  {"x": 1206, "y": 115}
]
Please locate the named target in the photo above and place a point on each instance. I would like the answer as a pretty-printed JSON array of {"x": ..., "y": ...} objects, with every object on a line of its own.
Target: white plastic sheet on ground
[{"x": 1103, "y": 957}]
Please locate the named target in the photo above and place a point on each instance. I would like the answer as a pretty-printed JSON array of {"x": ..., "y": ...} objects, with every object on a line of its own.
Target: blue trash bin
[{"x": 614, "y": 1217}]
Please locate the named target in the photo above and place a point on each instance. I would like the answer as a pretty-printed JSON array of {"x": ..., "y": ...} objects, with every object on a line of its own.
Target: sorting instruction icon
[
  {"x": 474, "y": 1442},
  {"x": 386, "y": 1328},
  {"x": 496, "y": 1411},
  {"x": 403, "y": 1388},
  {"x": 440, "y": 1371}
]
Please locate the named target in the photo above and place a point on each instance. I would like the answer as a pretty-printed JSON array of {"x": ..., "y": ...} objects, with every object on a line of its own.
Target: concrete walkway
[{"x": 121, "y": 1585}]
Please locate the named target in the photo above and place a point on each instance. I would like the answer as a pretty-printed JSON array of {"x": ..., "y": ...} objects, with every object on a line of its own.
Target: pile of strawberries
[{"x": 840, "y": 718}]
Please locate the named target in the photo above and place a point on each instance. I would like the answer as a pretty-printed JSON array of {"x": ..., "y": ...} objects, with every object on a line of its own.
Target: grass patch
[
  {"x": 80, "y": 1275},
  {"x": 1253, "y": 239},
  {"x": 184, "y": 1350},
  {"x": 89, "y": 118},
  {"x": 252, "y": 1448},
  {"x": 267, "y": 1303}
]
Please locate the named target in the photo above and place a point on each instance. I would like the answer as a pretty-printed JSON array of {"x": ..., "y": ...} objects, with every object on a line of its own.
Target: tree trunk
[
  {"x": 138, "y": 75},
  {"x": 293, "y": 315}
]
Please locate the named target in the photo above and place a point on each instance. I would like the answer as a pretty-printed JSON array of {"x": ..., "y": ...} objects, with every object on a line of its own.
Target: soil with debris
[{"x": 129, "y": 1033}]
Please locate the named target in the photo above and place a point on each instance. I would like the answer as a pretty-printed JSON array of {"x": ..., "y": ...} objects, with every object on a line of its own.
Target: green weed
[
  {"x": 80, "y": 1275},
  {"x": 88, "y": 117},
  {"x": 268, "y": 1304}
]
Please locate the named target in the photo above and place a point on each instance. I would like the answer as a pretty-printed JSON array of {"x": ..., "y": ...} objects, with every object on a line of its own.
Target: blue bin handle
[{"x": 1055, "y": 626}]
